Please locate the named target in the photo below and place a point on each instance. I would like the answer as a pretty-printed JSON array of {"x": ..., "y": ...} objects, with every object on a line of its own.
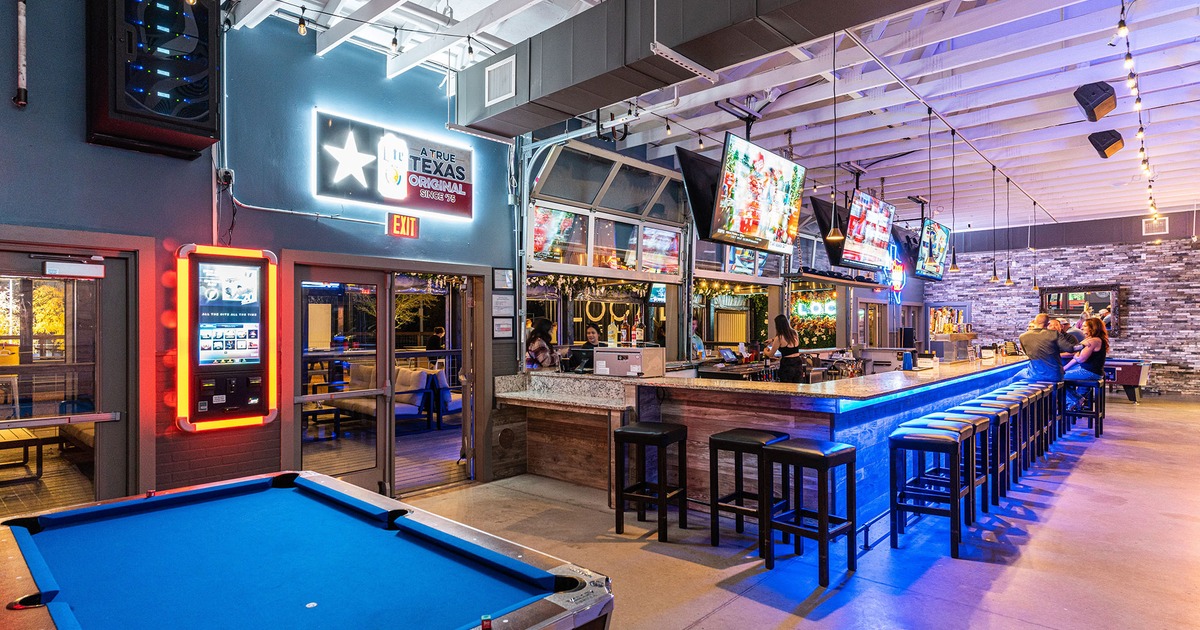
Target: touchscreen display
[{"x": 230, "y": 314}]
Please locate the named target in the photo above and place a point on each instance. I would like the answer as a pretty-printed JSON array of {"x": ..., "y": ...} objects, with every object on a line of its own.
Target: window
[
  {"x": 577, "y": 176},
  {"x": 616, "y": 245},
  {"x": 872, "y": 324},
  {"x": 559, "y": 236},
  {"x": 660, "y": 250},
  {"x": 631, "y": 190}
]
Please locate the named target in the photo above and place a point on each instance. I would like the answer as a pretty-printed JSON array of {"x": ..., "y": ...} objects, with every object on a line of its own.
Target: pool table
[
  {"x": 1131, "y": 374},
  {"x": 285, "y": 550}
]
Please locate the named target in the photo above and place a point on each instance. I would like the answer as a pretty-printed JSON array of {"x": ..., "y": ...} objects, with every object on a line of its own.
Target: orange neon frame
[{"x": 183, "y": 338}]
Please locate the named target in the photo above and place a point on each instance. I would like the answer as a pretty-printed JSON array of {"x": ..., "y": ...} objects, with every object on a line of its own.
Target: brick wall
[{"x": 1160, "y": 285}]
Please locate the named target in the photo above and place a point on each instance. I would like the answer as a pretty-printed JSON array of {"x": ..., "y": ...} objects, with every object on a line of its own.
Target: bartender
[{"x": 592, "y": 333}]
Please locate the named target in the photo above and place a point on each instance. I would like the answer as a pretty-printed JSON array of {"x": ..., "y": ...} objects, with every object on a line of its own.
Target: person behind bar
[
  {"x": 787, "y": 342},
  {"x": 539, "y": 347},
  {"x": 1043, "y": 347},
  {"x": 1088, "y": 364},
  {"x": 592, "y": 333},
  {"x": 696, "y": 342}
]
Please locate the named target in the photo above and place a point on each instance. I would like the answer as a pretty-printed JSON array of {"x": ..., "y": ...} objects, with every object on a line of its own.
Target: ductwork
[{"x": 603, "y": 55}]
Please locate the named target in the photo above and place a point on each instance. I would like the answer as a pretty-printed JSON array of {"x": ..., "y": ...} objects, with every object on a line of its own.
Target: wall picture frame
[
  {"x": 502, "y": 328},
  {"x": 503, "y": 280}
]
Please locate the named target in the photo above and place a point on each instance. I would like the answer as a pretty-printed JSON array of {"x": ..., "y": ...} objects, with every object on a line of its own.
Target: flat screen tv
[
  {"x": 658, "y": 294},
  {"x": 868, "y": 232},
  {"x": 758, "y": 200},
  {"x": 908, "y": 244},
  {"x": 931, "y": 257},
  {"x": 700, "y": 176}
]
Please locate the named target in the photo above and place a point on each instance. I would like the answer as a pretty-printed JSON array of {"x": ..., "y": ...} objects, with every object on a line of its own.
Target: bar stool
[
  {"x": 794, "y": 456},
  {"x": 914, "y": 494},
  {"x": 1027, "y": 423},
  {"x": 1012, "y": 450},
  {"x": 1039, "y": 430},
  {"x": 997, "y": 445},
  {"x": 659, "y": 435},
  {"x": 740, "y": 442},
  {"x": 1046, "y": 415},
  {"x": 1058, "y": 406},
  {"x": 1094, "y": 412},
  {"x": 971, "y": 429}
]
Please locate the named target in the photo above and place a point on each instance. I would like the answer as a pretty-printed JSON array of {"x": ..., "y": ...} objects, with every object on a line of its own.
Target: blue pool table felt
[{"x": 257, "y": 556}]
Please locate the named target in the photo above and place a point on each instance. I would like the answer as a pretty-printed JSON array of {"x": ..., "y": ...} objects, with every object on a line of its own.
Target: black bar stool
[
  {"x": 740, "y": 442},
  {"x": 1057, "y": 405},
  {"x": 966, "y": 428},
  {"x": 1012, "y": 450},
  {"x": 659, "y": 435},
  {"x": 997, "y": 445},
  {"x": 915, "y": 494},
  {"x": 794, "y": 456},
  {"x": 1092, "y": 401},
  {"x": 1027, "y": 421},
  {"x": 1037, "y": 430}
]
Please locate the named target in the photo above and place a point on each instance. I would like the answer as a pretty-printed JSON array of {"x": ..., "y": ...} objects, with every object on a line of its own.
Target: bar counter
[
  {"x": 860, "y": 411},
  {"x": 560, "y": 424}
]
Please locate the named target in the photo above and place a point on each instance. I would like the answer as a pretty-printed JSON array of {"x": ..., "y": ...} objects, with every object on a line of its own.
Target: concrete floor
[{"x": 1105, "y": 534}]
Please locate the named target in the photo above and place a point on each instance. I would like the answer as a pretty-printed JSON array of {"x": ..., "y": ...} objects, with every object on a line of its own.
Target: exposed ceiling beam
[
  {"x": 356, "y": 22},
  {"x": 484, "y": 18},
  {"x": 251, "y": 13}
]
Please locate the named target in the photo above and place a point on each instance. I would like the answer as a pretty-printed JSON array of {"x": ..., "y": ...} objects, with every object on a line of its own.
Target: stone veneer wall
[{"x": 1160, "y": 290}]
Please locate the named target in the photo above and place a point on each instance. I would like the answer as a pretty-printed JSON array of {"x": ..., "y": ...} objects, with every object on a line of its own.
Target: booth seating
[
  {"x": 659, "y": 435},
  {"x": 794, "y": 456},
  {"x": 81, "y": 436},
  {"x": 412, "y": 395},
  {"x": 1092, "y": 404},
  {"x": 920, "y": 494},
  {"x": 446, "y": 399},
  {"x": 740, "y": 442}
]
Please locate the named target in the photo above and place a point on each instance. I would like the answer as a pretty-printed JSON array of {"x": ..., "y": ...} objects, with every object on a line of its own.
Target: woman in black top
[
  {"x": 592, "y": 333},
  {"x": 787, "y": 342},
  {"x": 539, "y": 347},
  {"x": 1088, "y": 364}
]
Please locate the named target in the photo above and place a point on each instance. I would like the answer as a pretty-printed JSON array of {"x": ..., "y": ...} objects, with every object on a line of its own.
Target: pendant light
[
  {"x": 835, "y": 232},
  {"x": 302, "y": 25},
  {"x": 1034, "y": 248},
  {"x": 995, "y": 276},
  {"x": 1008, "y": 281},
  {"x": 953, "y": 198}
]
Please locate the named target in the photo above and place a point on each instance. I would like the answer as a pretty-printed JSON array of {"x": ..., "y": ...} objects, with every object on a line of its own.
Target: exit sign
[{"x": 403, "y": 226}]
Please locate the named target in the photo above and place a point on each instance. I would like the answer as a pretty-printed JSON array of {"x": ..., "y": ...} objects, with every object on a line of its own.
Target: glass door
[
  {"x": 64, "y": 382},
  {"x": 345, "y": 374}
]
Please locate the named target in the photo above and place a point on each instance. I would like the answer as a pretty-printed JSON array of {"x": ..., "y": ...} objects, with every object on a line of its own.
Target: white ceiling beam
[
  {"x": 334, "y": 9},
  {"x": 484, "y": 18},
  {"x": 345, "y": 29},
  {"x": 251, "y": 13},
  {"x": 434, "y": 21}
]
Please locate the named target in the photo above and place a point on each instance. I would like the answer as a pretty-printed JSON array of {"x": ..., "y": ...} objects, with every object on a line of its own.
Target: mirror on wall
[{"x": 1080, "y": 302}]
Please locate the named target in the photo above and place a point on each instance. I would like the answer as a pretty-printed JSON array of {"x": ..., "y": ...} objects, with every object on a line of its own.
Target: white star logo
[{"x": 350, "y": 161}]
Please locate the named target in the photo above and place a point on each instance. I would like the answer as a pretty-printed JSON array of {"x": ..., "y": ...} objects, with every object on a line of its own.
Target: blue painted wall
[{"x": 275, "y": 82}]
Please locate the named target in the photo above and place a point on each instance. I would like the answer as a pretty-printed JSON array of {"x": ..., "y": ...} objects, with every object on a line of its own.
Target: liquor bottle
[
  {"x": 612, "y": 333},
  {"x": 623, "y": 332},
  {"x": 639, "y": 332}
]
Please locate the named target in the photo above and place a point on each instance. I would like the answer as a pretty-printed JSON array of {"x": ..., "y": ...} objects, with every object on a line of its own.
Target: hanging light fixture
[
  {"x": 395, "y": 39},
  {"x": 302, "y": 25},
  {"x": 701, "y": 136},
  {"x": 668, "y": 125},
  {"x": 1034, "y": 248},
  {"x": 953, "y": 202},
  {"x": 835, "y": 231},
  {"x": 470, "y": 50},
  {"x": 1008, "y": 281},
  {"x": 995, "y": 275}
]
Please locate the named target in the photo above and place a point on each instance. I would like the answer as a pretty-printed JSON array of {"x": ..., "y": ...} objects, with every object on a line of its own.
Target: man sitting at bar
[{"x": 1044, "y": 348}]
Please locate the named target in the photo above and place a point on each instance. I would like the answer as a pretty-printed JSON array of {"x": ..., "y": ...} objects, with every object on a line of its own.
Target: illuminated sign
[
  {"x": 364, "y": 163},
  {"x": 897, "y": 278},
  {"x": 806, "y": 309},
  {"x": 403, "y": 226}
]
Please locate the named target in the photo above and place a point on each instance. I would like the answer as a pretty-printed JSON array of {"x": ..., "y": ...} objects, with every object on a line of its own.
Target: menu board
[
  {"x": 744, "y": 261},
  {"x": 868, "y": 232},
  {"x": 230, "y": 314},
  {"x": 931, "y": 257},
  {"x": 660, "y": 250},
  {"x": 758, "y": 198},
  {"x": 554, "y": 231}
]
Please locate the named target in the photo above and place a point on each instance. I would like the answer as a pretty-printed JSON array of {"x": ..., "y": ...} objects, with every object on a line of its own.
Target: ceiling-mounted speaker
[
  {"x": 1106, "y": 143},
  {"x": 1096, "y": 99}
]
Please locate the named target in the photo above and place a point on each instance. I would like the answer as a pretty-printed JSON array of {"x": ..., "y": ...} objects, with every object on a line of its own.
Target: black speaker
[
  {"x": 153, "y": 75},
  {"x": 908, "y": 337},
  {"x": 1106, "y": 143},
  {"x": 1096, "y": 99}
]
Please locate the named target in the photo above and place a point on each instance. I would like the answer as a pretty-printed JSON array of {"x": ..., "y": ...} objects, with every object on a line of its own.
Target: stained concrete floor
[{"x": 1105, "y": 534}]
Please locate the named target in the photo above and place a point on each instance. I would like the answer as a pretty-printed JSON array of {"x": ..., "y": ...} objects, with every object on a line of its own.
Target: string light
[
  {"x": 1141, "y": 132},
  {"x": 395, "y": 39},
  {"x": 1137, "y": 104},
  {"x": 1129, "y": 61},
  {"x": 1142, "y": 152},
  {"x": 470, "y": 50},
  {"x": 701, "y": 140},
  {"x": 1122, "y": 29},
  {"x": 302, "y": 25},
  {"x": 668, "y": 127}
]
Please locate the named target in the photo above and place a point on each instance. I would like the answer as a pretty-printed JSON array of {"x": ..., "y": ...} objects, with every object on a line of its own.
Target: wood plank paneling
[
  {"x": 572, "y": 447},
  {"x": 508, "y": 439}
]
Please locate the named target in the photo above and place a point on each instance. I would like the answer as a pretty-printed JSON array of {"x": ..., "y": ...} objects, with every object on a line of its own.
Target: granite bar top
[
  {"x": 859, "y": 388},
  {"x": 554, "y": 400}
]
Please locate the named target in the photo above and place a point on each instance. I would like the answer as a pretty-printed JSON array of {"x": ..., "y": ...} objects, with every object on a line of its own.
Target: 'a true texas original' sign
[{"x": 365, "y": 163}]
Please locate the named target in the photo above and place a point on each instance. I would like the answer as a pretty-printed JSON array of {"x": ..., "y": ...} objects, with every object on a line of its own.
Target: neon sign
[
  {"x": 897, "y": 277},
  {"x": 364, "y": 163},
  {"x": 818, "y": 308}
]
